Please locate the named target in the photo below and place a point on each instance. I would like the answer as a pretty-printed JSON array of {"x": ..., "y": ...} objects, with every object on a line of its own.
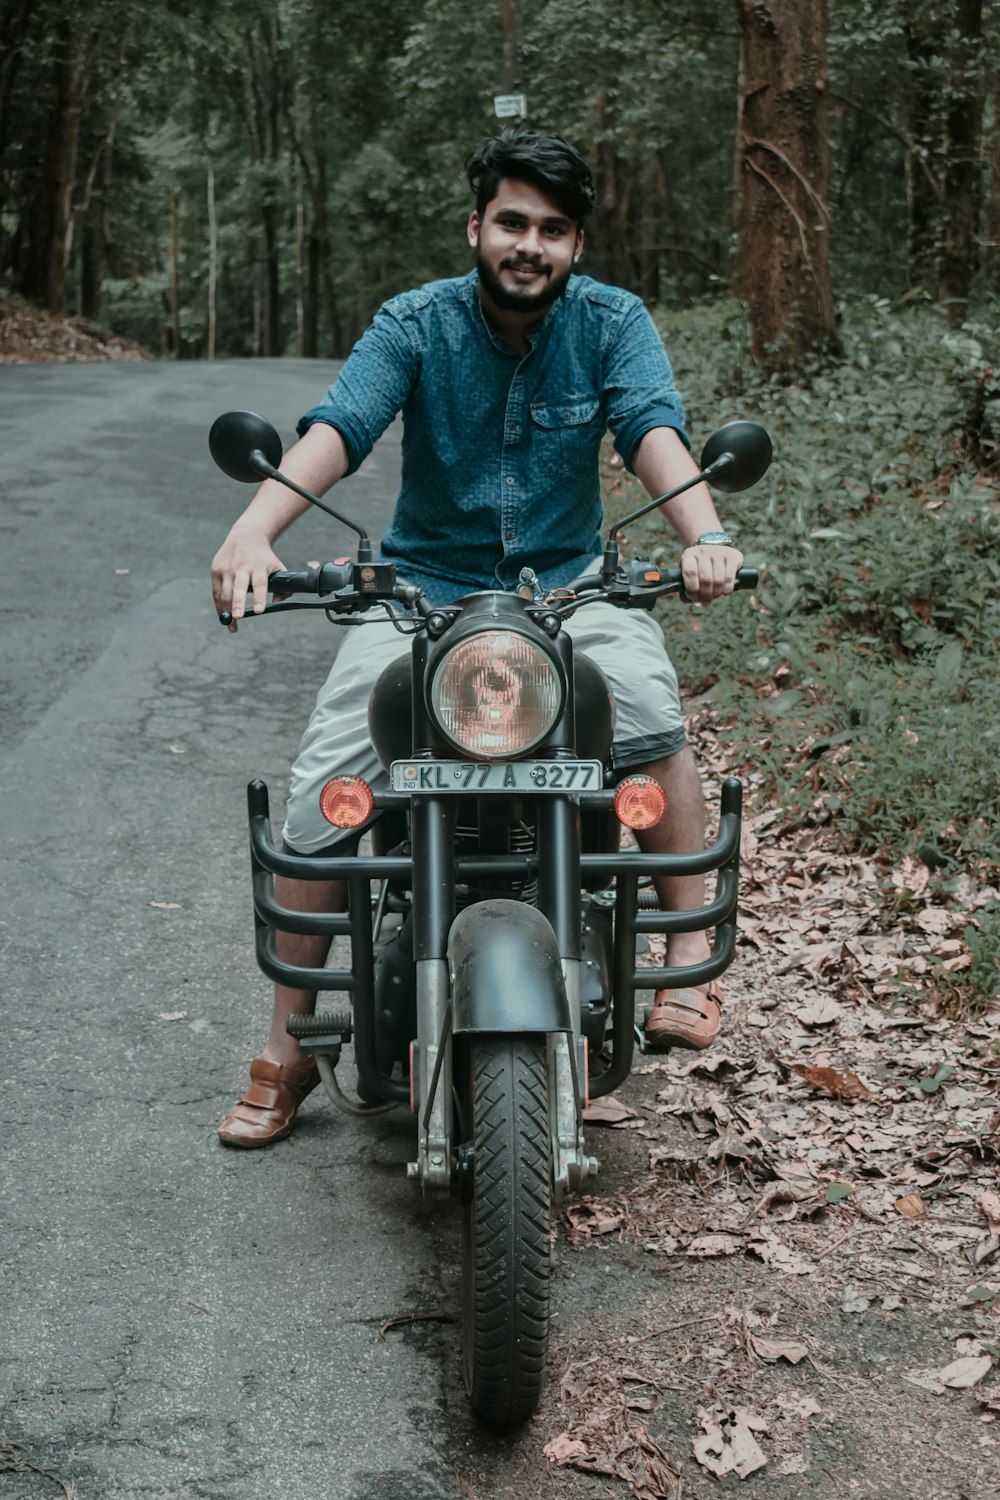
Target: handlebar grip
[
  {"x": 746, "y": 578},
  {"x": 296, "y": 581},
  {"x": 325, "y": 579}
]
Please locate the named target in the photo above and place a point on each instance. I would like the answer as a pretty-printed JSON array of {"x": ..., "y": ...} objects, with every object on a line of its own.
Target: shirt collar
[{"x": 470, "y": 293}]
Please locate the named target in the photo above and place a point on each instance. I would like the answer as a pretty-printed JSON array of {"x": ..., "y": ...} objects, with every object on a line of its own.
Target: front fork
[{"x": 558, "y": 828}]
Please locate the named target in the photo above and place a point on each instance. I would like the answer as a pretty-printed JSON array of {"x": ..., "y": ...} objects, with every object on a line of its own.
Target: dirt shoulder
[{"x": 30, "y": 337}]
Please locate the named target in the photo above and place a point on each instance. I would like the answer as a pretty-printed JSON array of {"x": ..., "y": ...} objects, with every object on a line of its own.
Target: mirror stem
[
  {"x": 723, "y": 462},
  {"x": 259, "y": 463}
]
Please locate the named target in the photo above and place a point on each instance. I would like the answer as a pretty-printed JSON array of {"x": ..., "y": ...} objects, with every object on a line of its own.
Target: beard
[{"x": 515, "y": 300}]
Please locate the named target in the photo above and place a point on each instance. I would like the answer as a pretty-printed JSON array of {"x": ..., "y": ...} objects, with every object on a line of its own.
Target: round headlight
[{"x": 496, "y": 694}]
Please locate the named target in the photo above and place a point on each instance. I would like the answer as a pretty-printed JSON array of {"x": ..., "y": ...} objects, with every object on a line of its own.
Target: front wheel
[{"x": 507, "y": 1253}]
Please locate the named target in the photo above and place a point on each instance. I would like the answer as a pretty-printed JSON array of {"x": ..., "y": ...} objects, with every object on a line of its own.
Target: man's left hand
[{"x": 709, "y": 571}]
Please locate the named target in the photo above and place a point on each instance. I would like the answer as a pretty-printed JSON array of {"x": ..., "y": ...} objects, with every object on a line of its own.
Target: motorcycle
[{"x": 493, "y": 926}]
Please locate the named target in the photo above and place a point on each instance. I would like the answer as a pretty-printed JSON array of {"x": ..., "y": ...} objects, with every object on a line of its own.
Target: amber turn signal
[
  {"x": 640, "y": 802},
  {"x": 346, "y": 801}
]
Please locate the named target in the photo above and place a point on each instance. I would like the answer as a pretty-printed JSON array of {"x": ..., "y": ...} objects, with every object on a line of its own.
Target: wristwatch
[{"x": 715, "y": 539}]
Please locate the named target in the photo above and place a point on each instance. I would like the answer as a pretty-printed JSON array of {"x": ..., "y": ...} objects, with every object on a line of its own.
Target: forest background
[{"x": 807, "y": 195}]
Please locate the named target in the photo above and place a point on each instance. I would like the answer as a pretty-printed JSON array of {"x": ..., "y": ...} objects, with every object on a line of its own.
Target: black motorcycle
[{"x": 492, "y": 980}]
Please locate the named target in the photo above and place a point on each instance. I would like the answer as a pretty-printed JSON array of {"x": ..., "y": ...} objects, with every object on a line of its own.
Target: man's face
[{"x": 525, "y": 247}]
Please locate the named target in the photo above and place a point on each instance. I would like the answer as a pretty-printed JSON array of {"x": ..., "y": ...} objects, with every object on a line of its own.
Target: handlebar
[{"x": 637, "y": 586}]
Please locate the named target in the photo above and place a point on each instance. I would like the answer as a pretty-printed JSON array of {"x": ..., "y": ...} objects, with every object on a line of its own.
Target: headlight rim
[{"x": 455, "y": 639}]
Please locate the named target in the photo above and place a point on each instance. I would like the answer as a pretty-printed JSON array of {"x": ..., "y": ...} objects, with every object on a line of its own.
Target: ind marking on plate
[{"x": 476, "y": 778}]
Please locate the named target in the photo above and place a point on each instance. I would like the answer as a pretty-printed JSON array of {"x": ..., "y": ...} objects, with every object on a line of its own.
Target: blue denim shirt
[{"x": 500, "y": 449}]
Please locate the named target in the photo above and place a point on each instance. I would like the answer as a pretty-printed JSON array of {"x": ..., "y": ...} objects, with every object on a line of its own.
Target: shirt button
[{"x": 510, "y": 479}]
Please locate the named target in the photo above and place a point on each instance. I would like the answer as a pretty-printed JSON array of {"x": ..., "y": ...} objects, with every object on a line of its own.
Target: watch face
[{"x": 714, "y": 539}]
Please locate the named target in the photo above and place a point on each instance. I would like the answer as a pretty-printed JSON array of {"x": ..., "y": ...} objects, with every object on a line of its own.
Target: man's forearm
[
  {"x": 316, "y": 462},
  {"x": 661, "y": 462}
]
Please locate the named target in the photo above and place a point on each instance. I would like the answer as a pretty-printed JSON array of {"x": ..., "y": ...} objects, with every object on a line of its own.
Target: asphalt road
[{"x": 180, "y": 1320}]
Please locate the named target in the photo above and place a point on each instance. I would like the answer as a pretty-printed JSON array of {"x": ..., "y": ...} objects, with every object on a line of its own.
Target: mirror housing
[
  {"x": 736, "y": 456},
  {"x": 245, "y": 446}
]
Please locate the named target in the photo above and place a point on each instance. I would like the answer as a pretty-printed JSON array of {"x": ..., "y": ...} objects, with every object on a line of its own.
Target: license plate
[{"x": 511, "y": 776}]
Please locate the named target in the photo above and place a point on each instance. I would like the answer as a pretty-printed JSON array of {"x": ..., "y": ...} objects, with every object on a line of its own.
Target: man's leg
[
  {"x": 306, "y": 950},
  {"x": 336, "y": 739},
  {"x": 680, "y": 831},
  {"x": 681, "y": 1017}
]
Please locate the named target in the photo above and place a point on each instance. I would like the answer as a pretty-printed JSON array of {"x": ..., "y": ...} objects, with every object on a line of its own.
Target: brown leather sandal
[
  {"x": 267, "y": 1110},
  {"x": 685, "y": 1018}
]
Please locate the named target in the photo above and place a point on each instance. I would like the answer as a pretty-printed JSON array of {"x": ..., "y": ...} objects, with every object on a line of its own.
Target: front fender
[{"x": 506, "y": 974}]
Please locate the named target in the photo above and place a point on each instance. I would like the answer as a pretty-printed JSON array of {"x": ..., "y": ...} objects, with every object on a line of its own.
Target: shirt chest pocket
[{"x": 565, "y": 436}]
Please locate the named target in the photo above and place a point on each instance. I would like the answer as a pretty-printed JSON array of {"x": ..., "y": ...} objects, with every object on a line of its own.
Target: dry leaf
[
  {"x": 829, "y": 1081},
  {"x": 773, "y": 1253},
  {"x": 772, "y": 1350},
  {"x": 172, "y": 1015},
  {"x": 716, "y": 1244},
  {"x": 935, "y": 921},
  {"x": 988, "y": 1204},
  {"x": 608, "y": 1111},
  {"x": 911, "y": 1207},
  {"x": 166, "y": 905},
  {"x": 728, "y": 1445},
  {"x": 798, "y": 1406},
  {"x": 911, "y": 876},
  {"x": 963, "y": 1373},
  {"x": 564, "y": 1449},
  {"x": 822, "y": 1012}
]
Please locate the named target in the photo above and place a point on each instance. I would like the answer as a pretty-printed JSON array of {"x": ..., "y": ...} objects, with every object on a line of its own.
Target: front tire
[{"x": 507, "y": 1253}]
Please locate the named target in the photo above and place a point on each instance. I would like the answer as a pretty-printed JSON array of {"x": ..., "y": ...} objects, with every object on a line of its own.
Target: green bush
[{"x": 861, "y": 684}]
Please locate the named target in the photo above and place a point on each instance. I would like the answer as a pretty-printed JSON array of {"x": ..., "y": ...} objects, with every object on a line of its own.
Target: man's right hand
[{"x": 242, "y": 566}]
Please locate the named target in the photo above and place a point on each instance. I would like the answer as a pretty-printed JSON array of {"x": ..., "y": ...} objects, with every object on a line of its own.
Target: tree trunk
[
  {"x": 174, "y": 252},
  {"x": 43, "y": 277},
  {"x": 213, "y": 253},
  {"x": 924, "y": 162},
  {"x": 610, "y": 233},
  {"x": 783, "y": 172},
  {"x": 961, "y": 198},
  {"x": 991, "y": 247}
]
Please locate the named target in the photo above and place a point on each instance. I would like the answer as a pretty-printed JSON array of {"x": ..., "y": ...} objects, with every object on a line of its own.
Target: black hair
[{"x": 548, "y": 161}]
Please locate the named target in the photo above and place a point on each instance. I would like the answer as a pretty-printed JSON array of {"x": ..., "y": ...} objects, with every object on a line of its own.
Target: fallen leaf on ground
[
  {"x": 911, "y": 1207},
  {"x": 829, "y": 1081},
  {"x": 772, "y": 1350},
  {"x": 728, "y": 1445},
  {"x": 822, "y": 1012},
  {"x": 773, "y": 1253},
  {"x": 172, "y": 1015},
  {"x": 608, "y": 1111},
  {"x": 716, "y": 1244},
  {"x": 963, "y": 1373},
  {"x": 166, "y": 905},
  {"x": 798, "y": 1406},
  {"x": 564, "y": 1449},
  {"x": 989, "y": 1206}
]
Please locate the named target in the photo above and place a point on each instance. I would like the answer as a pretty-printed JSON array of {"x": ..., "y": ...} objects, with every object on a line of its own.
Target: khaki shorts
[{"x": 627, "y": 646}]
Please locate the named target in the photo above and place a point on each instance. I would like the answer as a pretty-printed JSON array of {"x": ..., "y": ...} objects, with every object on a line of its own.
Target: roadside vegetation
[{"x": 859, "y": 688}]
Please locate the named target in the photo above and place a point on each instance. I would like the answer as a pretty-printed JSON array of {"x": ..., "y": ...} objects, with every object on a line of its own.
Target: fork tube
[{"x": 558, "y": 821}]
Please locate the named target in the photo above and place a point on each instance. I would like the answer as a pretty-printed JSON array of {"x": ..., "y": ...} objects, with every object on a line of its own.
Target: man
[{"x": 507, "y": 380}]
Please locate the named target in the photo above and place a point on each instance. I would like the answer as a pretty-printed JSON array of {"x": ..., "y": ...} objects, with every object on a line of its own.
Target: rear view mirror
[
  {"x": 736, "y": 456},
  {"x": 239, "y": 441}
]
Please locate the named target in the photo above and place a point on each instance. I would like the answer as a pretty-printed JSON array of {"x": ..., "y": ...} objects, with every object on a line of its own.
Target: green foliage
[
  {"x": 861, "y": 689},
  {"x": 351, "y": 136}
]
